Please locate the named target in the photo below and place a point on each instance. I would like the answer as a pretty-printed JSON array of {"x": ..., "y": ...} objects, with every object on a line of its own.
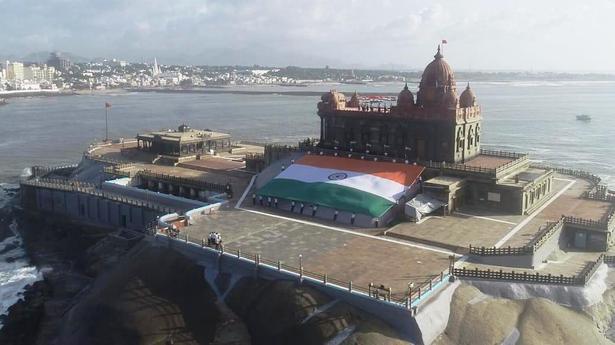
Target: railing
[
  {"x": 458, "y": 167},
  {"x": 493, "y": 251},
  {"x": 513, "y": 276},
  {"x": 588, "y": 223},
  {"x": 581, "y": 279},
  {"x": 594, "y": 179},
  {"x": 545, "y": 234},
  {"x": 542, "y": 236},
  {"x": 609, "y": 259},
  {"x": 41, "y": 171},
  {"x": 600, "y": 193},
  {"x": 407, "y": 300},
  {"x": 116, "y": 170},
  {"x": 590, "y": 268},
  {"x": 503, "y": 154},
  {"x": 90, "y": 189},
  {"x": 214, "y": 187},
  {"x": 428, "y": 164}
]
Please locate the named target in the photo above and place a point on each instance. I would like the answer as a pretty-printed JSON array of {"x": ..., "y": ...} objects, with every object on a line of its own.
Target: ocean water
[
  {"x": 16, "y": 272},
  {"x": 534, "y": 117}
]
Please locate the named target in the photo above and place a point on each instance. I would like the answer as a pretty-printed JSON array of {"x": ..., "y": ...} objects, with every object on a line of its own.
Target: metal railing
[
  {"x": 90, "y": 189},
  {"x": 406, "y": 299},
  {"x": 41, "y": 171}
]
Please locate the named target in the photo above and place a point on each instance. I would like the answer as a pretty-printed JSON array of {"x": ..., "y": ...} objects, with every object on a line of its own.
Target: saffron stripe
[{"x": 401, "y": 173}]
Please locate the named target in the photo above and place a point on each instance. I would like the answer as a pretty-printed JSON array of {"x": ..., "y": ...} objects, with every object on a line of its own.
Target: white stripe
[
  {"x": 373, "y": 184},
  {"x": 245, "y": 192},
  {"x": 485, "y": 218}
]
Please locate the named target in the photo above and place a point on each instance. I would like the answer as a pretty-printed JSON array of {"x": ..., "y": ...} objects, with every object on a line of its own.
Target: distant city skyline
[{"x": 563, "y": 36}]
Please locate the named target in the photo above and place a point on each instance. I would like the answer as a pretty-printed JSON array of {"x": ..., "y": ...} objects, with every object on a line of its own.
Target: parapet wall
[
  {"x": 397, "y": 316},
  {"x": 88, "y": 208}
]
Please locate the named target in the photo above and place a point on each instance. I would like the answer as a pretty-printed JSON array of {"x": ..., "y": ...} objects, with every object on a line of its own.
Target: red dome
[
  {"x": 438, "y": 72},
  {"x": 437, "y": 81},
  {"x": 467, "y": 98},
  {"x": 405, "y": 97}
]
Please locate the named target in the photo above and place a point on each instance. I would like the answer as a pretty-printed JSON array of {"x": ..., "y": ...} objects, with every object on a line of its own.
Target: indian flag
[{"x": 345, "y": 184}]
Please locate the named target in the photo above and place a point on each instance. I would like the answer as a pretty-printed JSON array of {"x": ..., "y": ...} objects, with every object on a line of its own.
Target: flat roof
[
  {"x": 488, "y": 161},
  {"x": 189, "y": 135},
  {"x": 444, "y": 180}
]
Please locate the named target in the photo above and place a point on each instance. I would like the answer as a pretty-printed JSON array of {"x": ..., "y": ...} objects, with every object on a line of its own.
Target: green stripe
[{"x": 327, "y": 194}]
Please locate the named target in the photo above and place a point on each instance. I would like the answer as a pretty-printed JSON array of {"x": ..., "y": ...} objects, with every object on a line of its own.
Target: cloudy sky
[{"x": 534, "y": 35}]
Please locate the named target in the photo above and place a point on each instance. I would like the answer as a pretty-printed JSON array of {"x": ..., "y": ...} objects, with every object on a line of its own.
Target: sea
[{"x": 536, "y": 117}]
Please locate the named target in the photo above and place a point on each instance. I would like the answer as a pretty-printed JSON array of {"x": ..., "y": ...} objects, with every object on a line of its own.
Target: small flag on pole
[
  {"x": 107, "y": 105},
  {"x": 444, "y": 41}
]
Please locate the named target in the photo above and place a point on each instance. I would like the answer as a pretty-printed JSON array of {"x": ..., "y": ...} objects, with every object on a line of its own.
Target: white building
[
  {"x": 14, "y": 70},
  {"x": 38, "y": 74}
]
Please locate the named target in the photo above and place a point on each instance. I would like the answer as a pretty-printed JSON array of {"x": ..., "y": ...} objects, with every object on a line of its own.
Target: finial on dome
[
  {"x": 438, "y": 54},
  {"x": 406, "y": 86}
]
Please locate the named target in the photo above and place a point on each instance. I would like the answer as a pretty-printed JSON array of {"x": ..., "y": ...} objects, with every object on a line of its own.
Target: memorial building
[
  {"x": 442, "y": 131},
  {"x": 436, "y": 131}
]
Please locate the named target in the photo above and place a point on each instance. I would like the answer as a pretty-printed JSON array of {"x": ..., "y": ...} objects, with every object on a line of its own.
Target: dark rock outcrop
[{"x": 285, "y": 312}]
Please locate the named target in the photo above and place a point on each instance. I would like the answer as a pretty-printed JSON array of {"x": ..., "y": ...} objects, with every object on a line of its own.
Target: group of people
[{"x": 214, "y": 240}]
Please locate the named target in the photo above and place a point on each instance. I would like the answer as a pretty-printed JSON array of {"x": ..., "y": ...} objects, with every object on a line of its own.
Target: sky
[{"x": 535, "y": 35}]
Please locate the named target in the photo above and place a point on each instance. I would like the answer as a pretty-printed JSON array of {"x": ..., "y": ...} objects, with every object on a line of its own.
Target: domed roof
[
  {"x": 437, "y": 81},
  {"x": 438, "y": 72},
  {"x": 405, "y": 97},
  {"x": 450, "y": 99},
  {"x": 467, "y": 98},
  {"x": 333, "y": 100}
]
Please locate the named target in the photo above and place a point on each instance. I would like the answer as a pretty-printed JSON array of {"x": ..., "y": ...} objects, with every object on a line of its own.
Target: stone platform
[
  {"x": 342, "y": 254},
  {"x": 478, "y": 227}
]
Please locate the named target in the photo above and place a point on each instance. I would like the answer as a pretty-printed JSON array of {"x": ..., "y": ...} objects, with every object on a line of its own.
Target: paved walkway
[
  {"x": 489, "y": 228},
  {"x": 343, "y": 255}
]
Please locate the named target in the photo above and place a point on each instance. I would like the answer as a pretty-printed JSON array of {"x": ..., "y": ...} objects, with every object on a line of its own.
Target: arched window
[
  {"x": 477, "y": 134},
  {"x": 459, "y": 139},
  {"x": 470, "y": 137}
]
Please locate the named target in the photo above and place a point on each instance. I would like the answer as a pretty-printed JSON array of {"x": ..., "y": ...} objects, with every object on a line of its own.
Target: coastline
[
  {"x": 37, "y": 93},
  {"x": 246, "y": 92}
]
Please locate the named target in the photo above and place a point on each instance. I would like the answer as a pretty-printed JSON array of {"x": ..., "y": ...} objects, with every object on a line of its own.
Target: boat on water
[{"x": 584, "y": 117}]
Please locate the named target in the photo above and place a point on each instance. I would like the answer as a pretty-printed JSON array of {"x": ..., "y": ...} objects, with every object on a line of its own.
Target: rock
[
  {"x": 285, "y": 312},
  {"x": 479, "y": 319},
  {"x": 21, "y": 325}
]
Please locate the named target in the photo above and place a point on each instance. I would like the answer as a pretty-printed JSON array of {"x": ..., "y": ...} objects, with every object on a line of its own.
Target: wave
[{"x": 15, "y": 270}]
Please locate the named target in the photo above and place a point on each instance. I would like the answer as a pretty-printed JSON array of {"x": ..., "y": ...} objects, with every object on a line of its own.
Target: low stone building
[{"x": 183, "y": 143}]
